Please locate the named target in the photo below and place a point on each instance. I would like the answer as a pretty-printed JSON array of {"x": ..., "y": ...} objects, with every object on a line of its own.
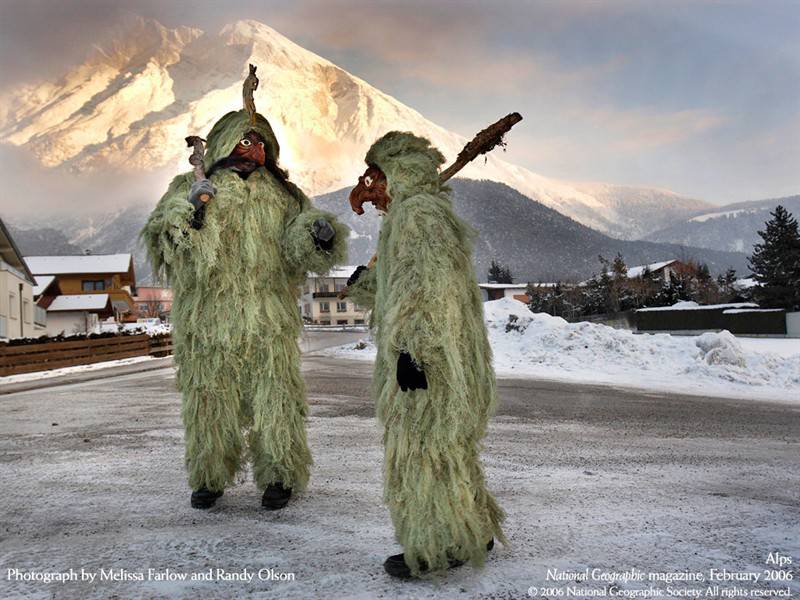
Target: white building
[
  {"x": 79, "y": 291},
  {"x": 19, "y": 317},
  {"x": 320, "y": 303},
  {"x": 77, "y": 313}
]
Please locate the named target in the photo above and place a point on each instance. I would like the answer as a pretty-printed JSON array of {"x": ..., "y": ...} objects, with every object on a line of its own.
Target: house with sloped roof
[
  {"x": 78, "y": 313},
  {"x": 19, "y": 317},
  {"x": 320, "y": 303},
  {"x": 78, "y": 291},
  {"x": 663, "y": 270}
]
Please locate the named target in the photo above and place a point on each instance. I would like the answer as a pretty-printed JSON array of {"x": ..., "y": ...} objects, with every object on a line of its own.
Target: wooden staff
[
  {"x": 250, "y": 85},
  {"x": 196, "y": 160},
  {"x": 483, "y": 142}
]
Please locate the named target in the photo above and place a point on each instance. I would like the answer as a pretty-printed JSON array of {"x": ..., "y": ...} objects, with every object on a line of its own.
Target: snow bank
[{"x": 539, "y": 345}]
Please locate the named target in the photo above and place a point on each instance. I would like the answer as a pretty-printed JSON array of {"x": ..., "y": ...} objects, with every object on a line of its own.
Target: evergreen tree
[
  {"x": 726, "y": 283},
  {"x": 704, "y": 288},
  {"x": 605, "y": 288},
  {"x": 673, "y": 290},
  {"x": 776, "y": 262},
  {"x": 619, "y": 269},
  {"x": 500, "y": 273}
]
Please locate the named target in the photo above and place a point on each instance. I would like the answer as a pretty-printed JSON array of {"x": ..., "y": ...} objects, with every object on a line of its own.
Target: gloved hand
[
  {"x": 356, "y": 274},
  {"x": 410, "y": 375},
  {"x": 201, "y": 188},
  {"x": 322, "y": 233}
]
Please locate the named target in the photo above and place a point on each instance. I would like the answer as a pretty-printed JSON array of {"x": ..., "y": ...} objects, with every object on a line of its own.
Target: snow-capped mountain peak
[{"x": 130, "y": 105}]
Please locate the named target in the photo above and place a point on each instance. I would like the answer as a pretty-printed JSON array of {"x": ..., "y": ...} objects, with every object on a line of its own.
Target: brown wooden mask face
[
  {"x": 251, "y": 147},
  {"x": 371, "y": 188}
]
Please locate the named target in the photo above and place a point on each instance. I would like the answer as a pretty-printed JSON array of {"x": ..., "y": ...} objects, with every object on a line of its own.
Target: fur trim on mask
[{"x": 229, "y": 130}]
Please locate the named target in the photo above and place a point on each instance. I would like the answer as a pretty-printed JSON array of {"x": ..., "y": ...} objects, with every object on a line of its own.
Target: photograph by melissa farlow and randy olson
[{"x": 400, "y": 299}]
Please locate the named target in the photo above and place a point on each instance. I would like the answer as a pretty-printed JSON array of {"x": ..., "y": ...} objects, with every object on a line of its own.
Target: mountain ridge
[
  {"x": 731, "y": 228},
  {"x": 130, "y": 105},
  {"x": 537, "y": 242}
]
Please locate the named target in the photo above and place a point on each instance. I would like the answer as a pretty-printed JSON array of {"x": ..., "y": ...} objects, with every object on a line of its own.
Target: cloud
[
  {"x": 664, "y": 85},
  {"x": 30, "y": 190},
  {"x": 638, "y": 130}
]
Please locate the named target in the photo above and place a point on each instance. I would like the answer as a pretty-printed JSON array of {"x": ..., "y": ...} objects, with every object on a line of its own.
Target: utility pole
[{"x": 21, "y": 313}]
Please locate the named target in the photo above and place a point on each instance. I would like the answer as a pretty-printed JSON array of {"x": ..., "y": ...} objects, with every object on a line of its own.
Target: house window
[
  {"x": 341, "y": 322},
  {"x": 12, "y": 305},
  {"x": 26, "y": 310},
  {"x": 359, "y": 321},
  {"x": 339, "y": 286},
  {"x": 92, "y": 285},
  {"x": 341, "y": 307},
  {"x": 307, "y": 309},
  {"x": 323, "y": 287},
  {"x": 325, "y": 307}
]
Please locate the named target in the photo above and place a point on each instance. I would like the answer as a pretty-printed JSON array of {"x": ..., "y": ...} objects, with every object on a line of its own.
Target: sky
[{"x": 702, "y": 98}]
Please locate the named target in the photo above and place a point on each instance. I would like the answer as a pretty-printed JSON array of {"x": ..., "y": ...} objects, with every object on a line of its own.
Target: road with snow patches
[{"x": 591, "y": 477}]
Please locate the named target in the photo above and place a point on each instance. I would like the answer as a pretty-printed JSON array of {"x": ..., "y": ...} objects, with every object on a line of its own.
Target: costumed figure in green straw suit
[
  {"x": 235, "y": 245},
  {"x": 433, "y": 381}
]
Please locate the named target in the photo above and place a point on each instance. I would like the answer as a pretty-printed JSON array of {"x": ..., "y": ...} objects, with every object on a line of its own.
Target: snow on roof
[
  {"x": 695, "y": 306},
  {"x": 90, "y": 263},
  {"x": 639, "y": 270},
  {"x": 42, "y": 281},
  {"x": 736, "y": 311},
  {"x": 341, "y": 272},
  {"x": 503, "y": 286},
  {"x": 79, "y": 302},
  {"x": 744, "y": 284}
]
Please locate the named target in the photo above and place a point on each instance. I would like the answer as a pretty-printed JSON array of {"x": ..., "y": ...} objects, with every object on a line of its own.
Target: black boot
[
  {"x": 204, "y": 497},
  {"x": 276, "y": 496},
  {"x": 396, "y": 565}
]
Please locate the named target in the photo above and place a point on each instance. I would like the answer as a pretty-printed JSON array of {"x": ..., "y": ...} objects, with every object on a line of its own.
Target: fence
[
  {"x": 713, "y": 318},
  {"x": 27, "y": 358}
]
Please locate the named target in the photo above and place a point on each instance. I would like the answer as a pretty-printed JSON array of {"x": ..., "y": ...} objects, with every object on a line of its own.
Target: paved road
[{"x": 590, "y": 477}]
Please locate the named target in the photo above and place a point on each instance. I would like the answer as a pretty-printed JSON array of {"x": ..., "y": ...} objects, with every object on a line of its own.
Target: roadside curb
[{"x": 111, "y": 371}]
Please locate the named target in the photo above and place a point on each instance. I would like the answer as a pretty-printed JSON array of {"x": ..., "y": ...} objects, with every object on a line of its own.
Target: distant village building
[
  {"x": 320, "y": 304},
  {"x": 79, "y": 291},
  {"x": 662, "y": 271},
  {"x": 77, "y": 313},
  {"x": 497, "y": 291},
  {"x": 18, "y": 315},
  {"x": 153, "y": 302}
]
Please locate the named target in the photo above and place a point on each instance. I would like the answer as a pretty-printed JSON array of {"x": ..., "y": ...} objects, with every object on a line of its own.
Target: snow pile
[
  {"x": 527, "y": 344},
  {"x": 721, "y": 349}
]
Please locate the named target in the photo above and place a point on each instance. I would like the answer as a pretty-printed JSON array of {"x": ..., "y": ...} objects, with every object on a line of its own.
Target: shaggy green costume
[
  {"x": 235, "y": 315},
  {"x": 426, "y": 302}
]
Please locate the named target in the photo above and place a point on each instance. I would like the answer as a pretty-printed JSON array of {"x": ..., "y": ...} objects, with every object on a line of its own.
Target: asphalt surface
[{"x": 590, "y": 477}]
